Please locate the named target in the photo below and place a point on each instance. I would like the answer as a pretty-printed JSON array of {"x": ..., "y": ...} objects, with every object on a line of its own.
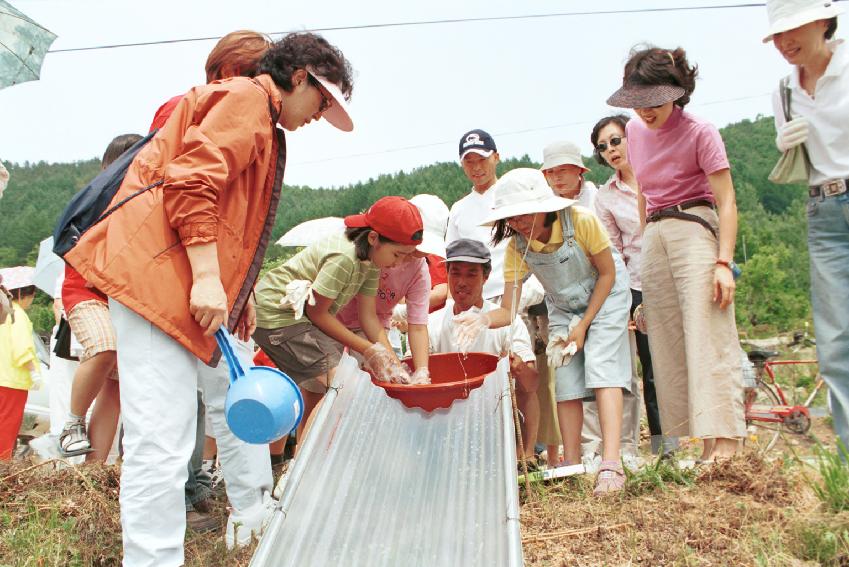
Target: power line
[
  {"x": 431, "y": 23},
  {"x": 498, "y": 134}
]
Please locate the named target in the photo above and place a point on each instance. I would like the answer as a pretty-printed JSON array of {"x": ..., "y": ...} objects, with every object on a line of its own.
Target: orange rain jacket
[{"x": 218, "y": 162}]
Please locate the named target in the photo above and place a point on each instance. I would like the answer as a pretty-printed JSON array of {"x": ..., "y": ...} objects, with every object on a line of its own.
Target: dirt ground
[{"x": 747, "y": 511}]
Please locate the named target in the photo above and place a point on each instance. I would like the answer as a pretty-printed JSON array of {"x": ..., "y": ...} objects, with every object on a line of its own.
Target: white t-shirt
[
  {"x": 440, "y": 329},
  {"x": 827, "y": 114},
  {"x": 464, "y": 222},
  {"x": 586, "y": 198}
]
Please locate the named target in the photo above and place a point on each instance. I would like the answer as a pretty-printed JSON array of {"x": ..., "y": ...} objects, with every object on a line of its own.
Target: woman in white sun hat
[
  {"x": 587, "y": 292},
  {"x": 564, "y": 171},
  {"x": 818, "y": 86}
]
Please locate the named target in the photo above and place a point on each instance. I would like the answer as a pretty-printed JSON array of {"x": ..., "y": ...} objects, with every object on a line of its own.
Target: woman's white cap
[
  {"x": 435, "y": 220},
  {"x": 338, "y": 114},
  {"x": 523, "y": 191},
  {"x": 787, "y": 15},
  {"x": 562, "y": 153}
]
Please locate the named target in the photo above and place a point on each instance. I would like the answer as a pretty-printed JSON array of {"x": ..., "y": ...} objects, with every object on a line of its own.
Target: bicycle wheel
[{"x": 761, "y": 435}]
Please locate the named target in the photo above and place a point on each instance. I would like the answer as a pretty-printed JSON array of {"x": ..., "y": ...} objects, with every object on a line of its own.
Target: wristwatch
[{"x": 731, "y": 265}]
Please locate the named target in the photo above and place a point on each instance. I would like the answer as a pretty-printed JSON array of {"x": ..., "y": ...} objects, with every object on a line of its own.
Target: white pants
[{"x": 159, "y": 383}]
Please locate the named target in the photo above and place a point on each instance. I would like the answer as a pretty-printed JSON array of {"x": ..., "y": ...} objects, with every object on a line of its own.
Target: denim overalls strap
[{"x": 566, "y": 274}]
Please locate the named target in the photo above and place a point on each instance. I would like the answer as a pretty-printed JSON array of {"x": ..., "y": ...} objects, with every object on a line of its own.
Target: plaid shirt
[{"x": 616, "y": 206}]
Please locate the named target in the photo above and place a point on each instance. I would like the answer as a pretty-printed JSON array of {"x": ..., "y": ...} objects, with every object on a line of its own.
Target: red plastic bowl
[{"x": 452, "y": 377}]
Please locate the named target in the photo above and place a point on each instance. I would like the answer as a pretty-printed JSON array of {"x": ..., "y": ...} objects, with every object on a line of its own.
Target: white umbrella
[
  {"x": 48, "y": 267},
  {"x": 311, "y": 231}
]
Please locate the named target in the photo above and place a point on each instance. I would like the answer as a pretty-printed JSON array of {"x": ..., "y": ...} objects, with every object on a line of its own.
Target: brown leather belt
[
  {"x": 677, "y": 212},
  {"x": 829, "y": 189}
]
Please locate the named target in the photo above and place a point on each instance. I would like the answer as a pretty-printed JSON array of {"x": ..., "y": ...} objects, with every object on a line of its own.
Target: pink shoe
[{"x": 611, "y": 478}]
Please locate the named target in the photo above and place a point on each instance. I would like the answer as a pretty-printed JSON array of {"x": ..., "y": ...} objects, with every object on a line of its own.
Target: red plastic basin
[{"x": 452, "y": 377}]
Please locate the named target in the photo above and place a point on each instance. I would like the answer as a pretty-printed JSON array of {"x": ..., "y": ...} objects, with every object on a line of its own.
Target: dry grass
[{"x": 742, "y": 512}]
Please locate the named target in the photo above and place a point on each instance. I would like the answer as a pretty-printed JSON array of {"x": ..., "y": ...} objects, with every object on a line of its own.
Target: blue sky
[{"x": 526, "y": 81}]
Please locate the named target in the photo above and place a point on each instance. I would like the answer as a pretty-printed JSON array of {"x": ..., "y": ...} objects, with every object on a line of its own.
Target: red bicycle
[{"x": 768, "y": 411}]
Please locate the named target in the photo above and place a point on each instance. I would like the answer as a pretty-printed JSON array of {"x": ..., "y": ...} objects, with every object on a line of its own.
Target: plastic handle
[{"x": 223, "y": 338}]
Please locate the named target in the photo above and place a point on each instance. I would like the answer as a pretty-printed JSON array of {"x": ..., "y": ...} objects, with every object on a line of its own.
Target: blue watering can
[{"x": 263, "y": 404}]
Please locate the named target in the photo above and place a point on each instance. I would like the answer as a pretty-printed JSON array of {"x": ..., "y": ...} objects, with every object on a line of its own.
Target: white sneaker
[{"x": 243, "y": 526}]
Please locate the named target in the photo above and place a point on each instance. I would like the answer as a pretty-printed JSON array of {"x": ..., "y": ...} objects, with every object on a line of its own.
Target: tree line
[{"x": 771, "y": 244}]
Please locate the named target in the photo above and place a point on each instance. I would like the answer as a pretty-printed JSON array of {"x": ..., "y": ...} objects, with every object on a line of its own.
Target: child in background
[
  {"x": 97, "y": 374},
  {"x": 318, "y": 282},
  {"x": 19, "y": 370}
]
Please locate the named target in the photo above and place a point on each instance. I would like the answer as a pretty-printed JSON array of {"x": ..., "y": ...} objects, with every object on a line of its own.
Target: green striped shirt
[{"x": 335, "y": 271}]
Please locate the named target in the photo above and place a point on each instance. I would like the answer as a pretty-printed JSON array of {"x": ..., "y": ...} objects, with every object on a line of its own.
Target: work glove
[
  {"x": 298, "y": 293},
  {"x": 420, "y": 376},
  {"x": 36, "y": 381},
  {"x": 792, "y": 133},
  {"x": 640, "y": 319},
  {"x": 560, "y": 349},
  {"x": 467, "y": 327},
  {"x": 532, "y": 294}
]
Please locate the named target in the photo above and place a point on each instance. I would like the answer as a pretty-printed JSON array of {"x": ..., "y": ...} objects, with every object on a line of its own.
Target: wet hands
[
  {"x": 385, "y": 366},
  {"x": 208, "y": 304},
  {"x": 420, "y": 376},
  {"x": 792, "y": 133},
  {"x": 467, "y": 327}
]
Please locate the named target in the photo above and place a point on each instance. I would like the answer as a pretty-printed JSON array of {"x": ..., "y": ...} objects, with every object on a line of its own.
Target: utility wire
[
  {"x": 432, "y": 23},
  {"x": 498, "y": 134}
]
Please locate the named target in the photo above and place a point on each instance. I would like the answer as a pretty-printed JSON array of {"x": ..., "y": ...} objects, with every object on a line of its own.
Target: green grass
[
  {"x": 833, "y": 487},
  {"x": 657, "y": 476}
]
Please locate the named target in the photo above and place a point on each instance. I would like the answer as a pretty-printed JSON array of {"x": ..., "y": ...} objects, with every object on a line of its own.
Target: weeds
[
  {"x": 825, "y": 540},
  {"x": 656, "y": 477},
  {"x": 833, "y": 488}
]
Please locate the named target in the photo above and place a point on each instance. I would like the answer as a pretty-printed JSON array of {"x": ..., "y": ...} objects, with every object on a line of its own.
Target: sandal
[
  {"x": 611, "y": 478},
  {"x": 73, "y": 440}
]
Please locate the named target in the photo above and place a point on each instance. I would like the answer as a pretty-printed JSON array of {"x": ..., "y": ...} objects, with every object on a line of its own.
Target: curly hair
[
  {"x": 619, "y": 119},
  {"x": 236, "y": 54},
  {"x": 656, "y": 66},
  {"x": 302, "y": 50}
]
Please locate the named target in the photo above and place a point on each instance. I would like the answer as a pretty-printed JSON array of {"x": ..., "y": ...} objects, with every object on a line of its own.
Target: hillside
[{"x": 773, "y": 293}]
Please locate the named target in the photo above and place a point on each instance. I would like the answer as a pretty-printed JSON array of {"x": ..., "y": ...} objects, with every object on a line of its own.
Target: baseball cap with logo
[
  {"x": 478, "y": 142},
  {"x": 394, "y": 218}
]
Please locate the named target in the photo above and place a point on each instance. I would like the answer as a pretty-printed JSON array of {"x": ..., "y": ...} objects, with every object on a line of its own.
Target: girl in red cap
[{"x": 297, "y": 301}]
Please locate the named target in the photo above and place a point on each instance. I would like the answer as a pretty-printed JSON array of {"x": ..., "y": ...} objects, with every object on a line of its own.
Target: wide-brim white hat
[
  {"x": 786, "y": 15},
  {"x": 338, "y": 114},
  {"x": 523, "y": 191},
  {"x": 434, "y": 214}
]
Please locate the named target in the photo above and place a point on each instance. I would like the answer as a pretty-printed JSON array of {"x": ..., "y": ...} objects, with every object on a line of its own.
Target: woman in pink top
[{"x": 688, "y": 208}]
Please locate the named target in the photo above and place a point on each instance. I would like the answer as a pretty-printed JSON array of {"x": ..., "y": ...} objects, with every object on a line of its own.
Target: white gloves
[
  {"x": 792, "y": 133},
  {"x": 298, "y": 292},
  {"x": 560, "y": 349},
  {"x": 532, "y": 294},
  {"x": 36, "y": 381},
  {"x": 640, "y": 319},
  {"x": 384, "y": 366},
  {"x": 421, "y": 376},
  {"x": 467, "y": 326}
]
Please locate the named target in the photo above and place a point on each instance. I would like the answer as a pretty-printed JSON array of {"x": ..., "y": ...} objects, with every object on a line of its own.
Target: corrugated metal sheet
[{"x": 379, "y": 484}]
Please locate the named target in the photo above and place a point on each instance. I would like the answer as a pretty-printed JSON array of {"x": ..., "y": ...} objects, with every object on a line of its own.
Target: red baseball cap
[{"x": 394, "y": 218}]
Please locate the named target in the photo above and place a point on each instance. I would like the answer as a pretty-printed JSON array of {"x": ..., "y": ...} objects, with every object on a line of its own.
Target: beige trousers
[
  {"x": 694, "y": 344},
  {"x": 549, "y": 429}
]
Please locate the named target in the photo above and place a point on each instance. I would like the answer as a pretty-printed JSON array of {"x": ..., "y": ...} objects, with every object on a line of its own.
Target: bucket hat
[
  {"x": 434, "y": 214},
  {"x": 786, "y": 15},
  {"x": 632, "y": 95},
  {"x": 337, "y": 113},
  {"x": 523, "y": 191},
  {"x": 562, "y": 153}
]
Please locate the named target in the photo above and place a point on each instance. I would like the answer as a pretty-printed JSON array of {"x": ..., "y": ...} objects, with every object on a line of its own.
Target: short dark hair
[
  {"x": 118, "y": 146},
  {"x": 302, "y": 50},
  {"x": 359, "y": 236},
  {"x": 486, "y": 267},
  {"x": 22, "y": 292},
  {"x": 832, "y": 28},
  {"x": 619, "y": 119},
  {"x": 501, "y": 231},
  {"x": 655, "y": 66}
]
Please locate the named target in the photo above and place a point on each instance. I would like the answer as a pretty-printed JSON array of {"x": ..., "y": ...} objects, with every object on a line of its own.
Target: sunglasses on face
[
  {"x": 614, "y": 141},
  {"x": 326, "y": 101}
]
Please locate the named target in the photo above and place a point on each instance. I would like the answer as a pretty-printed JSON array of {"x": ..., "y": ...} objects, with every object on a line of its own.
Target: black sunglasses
[
  {"x": 326, "y": 101},
  {"x": 614, "y": 141}
]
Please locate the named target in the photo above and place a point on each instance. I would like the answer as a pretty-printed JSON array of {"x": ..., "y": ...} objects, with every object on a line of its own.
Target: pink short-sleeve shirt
[
  {"x": 410, "y": 281},
  {"x": 673, "y": 162}
]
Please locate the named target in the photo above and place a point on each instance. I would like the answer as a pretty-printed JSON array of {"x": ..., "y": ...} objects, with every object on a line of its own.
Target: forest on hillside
[{"x": 771, "y": 243}]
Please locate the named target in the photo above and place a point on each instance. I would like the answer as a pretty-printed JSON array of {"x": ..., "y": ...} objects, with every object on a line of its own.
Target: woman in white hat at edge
[
  {"x": 587, "y": 292},
  {"x": 802, "y": 31}
]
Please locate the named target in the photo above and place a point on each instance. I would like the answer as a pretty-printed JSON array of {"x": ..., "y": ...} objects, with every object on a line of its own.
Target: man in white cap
[
  {"x": 479, "y": 159},
  {"x": 564, "y": 171},
  {"x": 811, "y": 108}
]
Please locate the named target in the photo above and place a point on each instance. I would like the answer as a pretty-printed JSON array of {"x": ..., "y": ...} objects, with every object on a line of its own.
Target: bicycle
[{"x": 768, "y": 412}]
